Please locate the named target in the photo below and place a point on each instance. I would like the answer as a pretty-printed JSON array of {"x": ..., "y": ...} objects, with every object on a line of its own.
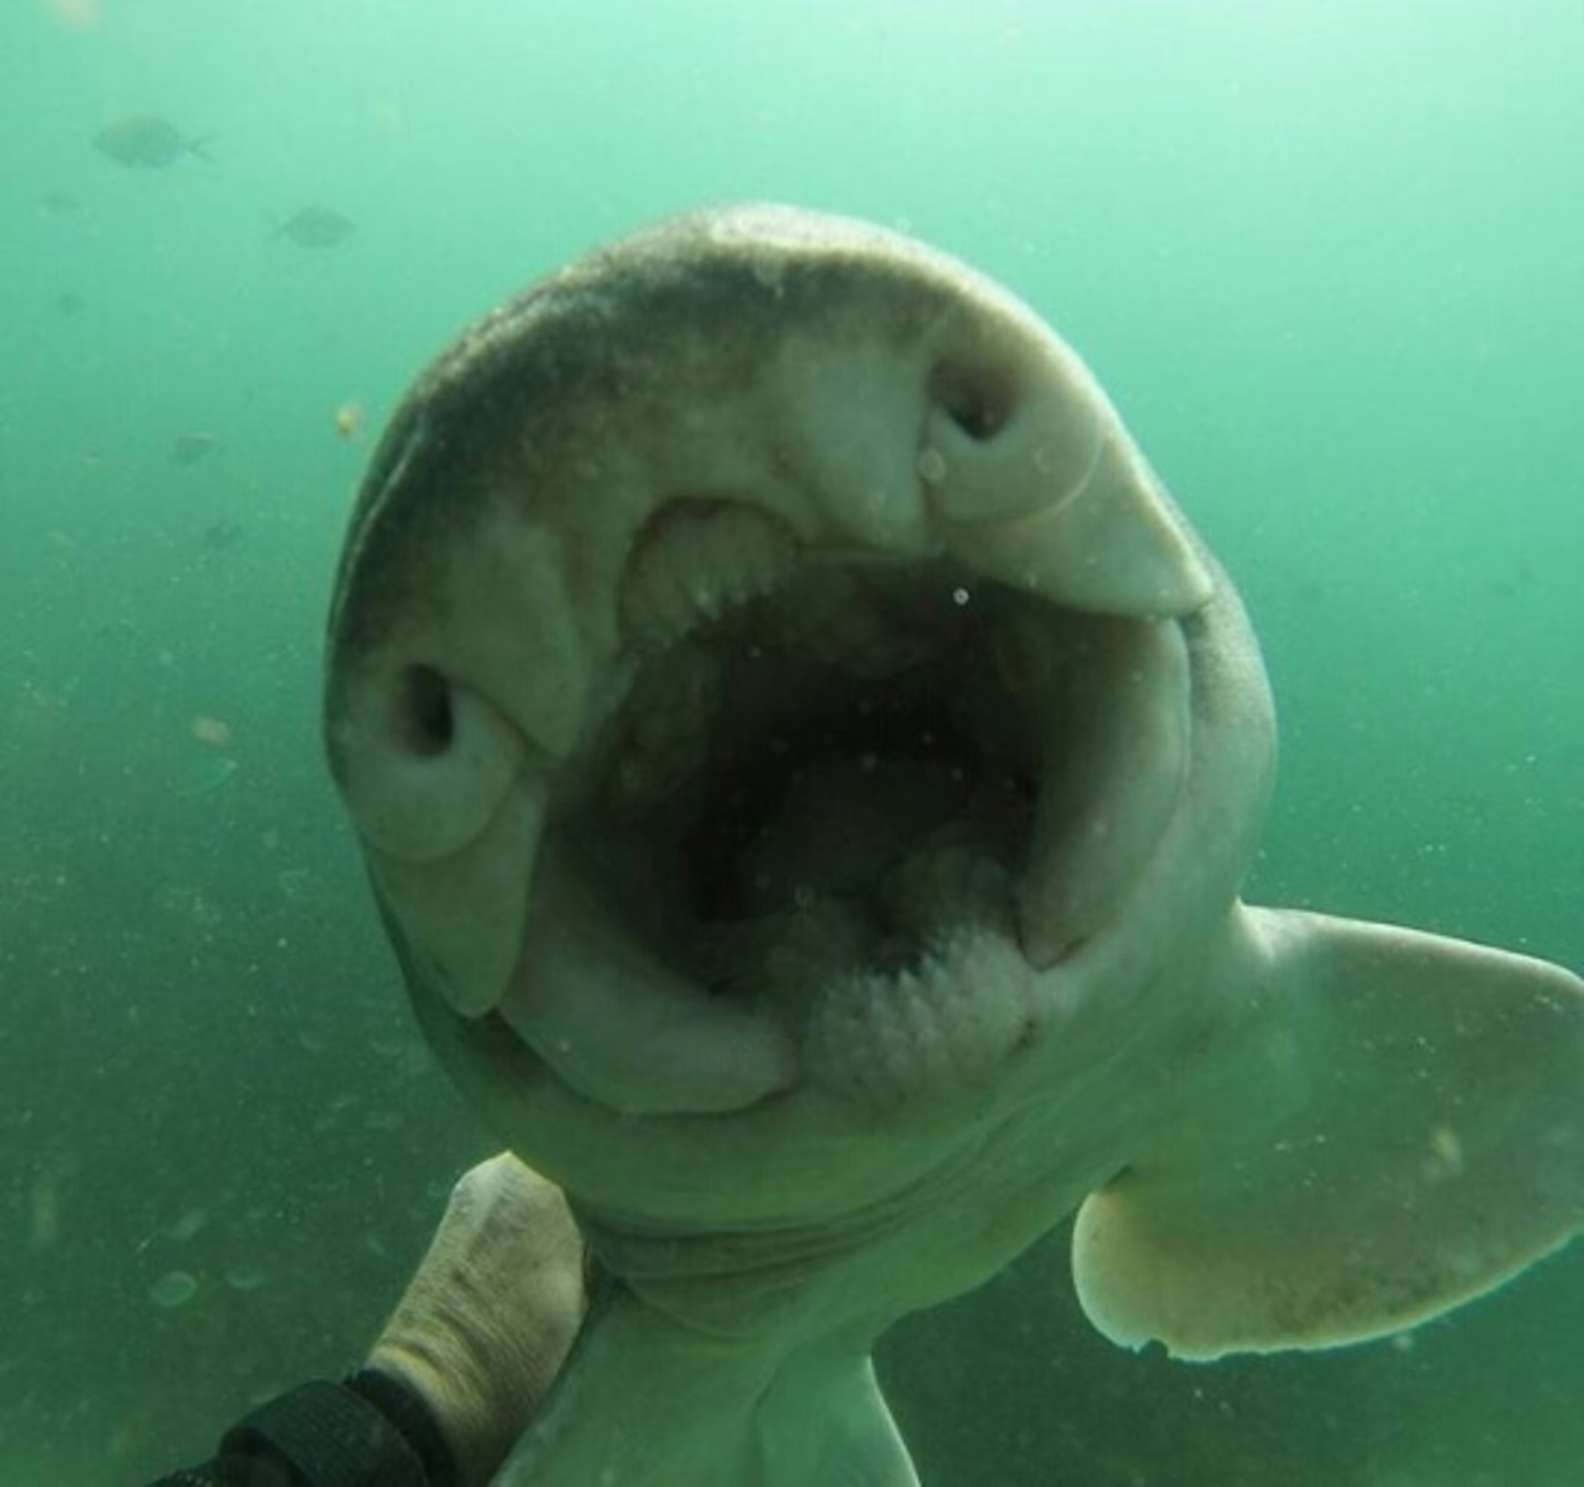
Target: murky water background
[{"x": 1328, "y": 260}]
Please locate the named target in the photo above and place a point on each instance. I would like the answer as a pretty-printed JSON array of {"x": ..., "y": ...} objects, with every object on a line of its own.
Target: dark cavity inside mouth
[{"x": 848, "y": 765}]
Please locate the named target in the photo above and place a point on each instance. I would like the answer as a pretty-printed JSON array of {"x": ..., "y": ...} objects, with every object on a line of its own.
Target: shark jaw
[{"x": 852, "y": 820}]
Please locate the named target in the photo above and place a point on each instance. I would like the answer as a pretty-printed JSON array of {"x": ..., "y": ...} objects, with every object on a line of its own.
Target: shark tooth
[
  {"x": 697, "y": 559},
  {"x": 666, "y": 722}
]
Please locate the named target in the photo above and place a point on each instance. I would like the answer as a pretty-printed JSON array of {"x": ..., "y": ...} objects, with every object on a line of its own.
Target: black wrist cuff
[
  {"x": 411, "y": 1416},
  {"x": 369, "y": 1432}
]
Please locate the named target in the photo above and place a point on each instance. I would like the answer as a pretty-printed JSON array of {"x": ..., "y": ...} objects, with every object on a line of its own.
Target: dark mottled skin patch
[{"x": 680, "y": 313}]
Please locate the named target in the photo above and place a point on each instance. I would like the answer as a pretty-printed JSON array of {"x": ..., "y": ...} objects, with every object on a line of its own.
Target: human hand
[{"x": 488, "y": 1318}]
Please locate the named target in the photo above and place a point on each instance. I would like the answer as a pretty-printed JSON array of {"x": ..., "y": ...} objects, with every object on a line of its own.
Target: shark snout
[
  {"x": 1032, "y": 480},
  {"x": 988, "y": 439}
]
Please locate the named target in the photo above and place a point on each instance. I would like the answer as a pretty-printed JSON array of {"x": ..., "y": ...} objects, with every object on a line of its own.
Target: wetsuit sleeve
[{"x": 369, "y": 1431}]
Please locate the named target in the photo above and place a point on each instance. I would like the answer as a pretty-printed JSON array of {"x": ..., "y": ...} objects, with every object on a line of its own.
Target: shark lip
[{"x": 854, "y": 818}]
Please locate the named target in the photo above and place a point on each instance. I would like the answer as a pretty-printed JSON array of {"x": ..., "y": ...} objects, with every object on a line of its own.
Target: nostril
[
  {"x": 424, "y": 722},
  {"x": 975, "y": 418},
  {"x": 425, "y": 762},
  {"x": 977, "y": 399}
]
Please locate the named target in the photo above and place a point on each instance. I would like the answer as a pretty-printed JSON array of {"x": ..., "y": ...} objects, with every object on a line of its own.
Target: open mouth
[
  {"x": 851, "y": 813},
  {"x": 858, "y": 791}
]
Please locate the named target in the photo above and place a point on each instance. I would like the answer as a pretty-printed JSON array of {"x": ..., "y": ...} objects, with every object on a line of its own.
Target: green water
[{"x": 1329, "y": 260}]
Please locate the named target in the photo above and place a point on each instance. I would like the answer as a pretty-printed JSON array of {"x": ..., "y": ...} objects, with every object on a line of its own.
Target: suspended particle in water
[
  {"x": 44, "y": 1228},
  {"x": 189, "y": 1224},
  {"x": 174, "y": 1288},
  {"x": 202, "y": 774},
  {"x": 80, "y": 15},
  {"x": 215, "y": 732}
]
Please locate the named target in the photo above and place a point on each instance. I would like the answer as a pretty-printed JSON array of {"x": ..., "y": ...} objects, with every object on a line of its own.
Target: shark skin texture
[{"x": 806, "y": 764}]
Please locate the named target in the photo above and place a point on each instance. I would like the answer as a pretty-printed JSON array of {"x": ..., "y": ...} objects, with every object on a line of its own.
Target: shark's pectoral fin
[
  {"x": 646, "y": 1403},
  {"x": 1397, "y": 1126}
]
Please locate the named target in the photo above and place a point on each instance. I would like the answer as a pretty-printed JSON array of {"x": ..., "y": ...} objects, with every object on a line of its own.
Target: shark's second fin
[
  {"x": 825, "y": 1421},
  {"x": 645, "y": 1403},
  {"x": 1395, "y": 1125}
]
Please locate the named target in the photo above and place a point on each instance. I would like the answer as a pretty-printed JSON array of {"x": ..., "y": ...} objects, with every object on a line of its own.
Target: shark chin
[{"x": 807, "y": 764}]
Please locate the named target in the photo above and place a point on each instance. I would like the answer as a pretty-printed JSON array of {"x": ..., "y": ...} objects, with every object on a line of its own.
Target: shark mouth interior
[
  {"x": 793, "y": 760},
  {"x": 870, "y": 798}
]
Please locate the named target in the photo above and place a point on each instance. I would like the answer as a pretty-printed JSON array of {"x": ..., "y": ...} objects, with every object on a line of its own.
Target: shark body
[{"x": 806, "y": 764}]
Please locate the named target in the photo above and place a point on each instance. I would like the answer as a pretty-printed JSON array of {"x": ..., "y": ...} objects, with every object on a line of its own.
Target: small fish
[
  {"x": 316, "y": 227},
  {"x": 58, "y": 204},
  {"x": 220, "y": 535},
  {"x": 68, "y": 303},
  {"x": 188, "y": 449},
  {"x": 146, "y": 142}
]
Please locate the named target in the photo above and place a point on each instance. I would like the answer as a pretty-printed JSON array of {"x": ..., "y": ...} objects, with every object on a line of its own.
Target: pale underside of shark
[{"x": 807, "y": 764}]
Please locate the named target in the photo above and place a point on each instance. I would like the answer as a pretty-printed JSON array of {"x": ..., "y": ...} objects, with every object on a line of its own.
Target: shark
[{"x": 806, "y": 764}]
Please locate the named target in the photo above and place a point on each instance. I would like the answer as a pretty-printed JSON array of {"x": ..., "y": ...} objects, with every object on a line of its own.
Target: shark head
[
  {"x": 806, "y": 764},
  {"x": 763, "y": 664}
]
